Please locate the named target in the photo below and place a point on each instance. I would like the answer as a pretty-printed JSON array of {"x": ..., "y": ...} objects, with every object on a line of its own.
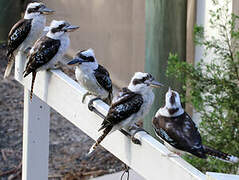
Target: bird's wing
[
  {"x": 128, "y": 103},
  {"x": 160, "y": 132},
  {"x": 42, "y": 52},
  {"x": 18, "y": 34},
  {"x": 180, "y": 132},
  {"x": 103, "y": 78}
]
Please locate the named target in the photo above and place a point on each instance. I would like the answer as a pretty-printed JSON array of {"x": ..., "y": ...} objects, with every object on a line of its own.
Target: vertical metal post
[
  {"x": 165, "y": 33},
  {"x": 35, "y": 138}
]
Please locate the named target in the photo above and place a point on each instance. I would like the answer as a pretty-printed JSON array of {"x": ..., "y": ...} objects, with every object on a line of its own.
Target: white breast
[
  {"x": 86, "y": 79},
  {"x": 37, "y": 26}
]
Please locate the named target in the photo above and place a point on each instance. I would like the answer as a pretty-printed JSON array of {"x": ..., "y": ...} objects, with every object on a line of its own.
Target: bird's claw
[
  {"x": 92, "y": 108},
  {"x": 137, "y": 129},
  {"x": 27, "y": 50},
  {"x": 84, "y": 96},
  {"x": 90, "y": 104},
  {"x": 56, "y": 67},
  {"x": 135, "y": 140}
]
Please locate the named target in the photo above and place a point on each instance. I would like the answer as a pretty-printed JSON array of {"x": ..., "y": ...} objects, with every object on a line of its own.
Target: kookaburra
[
  {"x": 49, "y": 49},
  {"x": 131, "y": 105},
  {"x": 26, "y": 31},
  {"x": 92, "y": 76},
  {"x": 179, "y": 133}
]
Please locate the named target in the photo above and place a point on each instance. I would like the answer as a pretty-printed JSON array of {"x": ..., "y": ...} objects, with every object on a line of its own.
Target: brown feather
[{"x": 33, "y": 80}]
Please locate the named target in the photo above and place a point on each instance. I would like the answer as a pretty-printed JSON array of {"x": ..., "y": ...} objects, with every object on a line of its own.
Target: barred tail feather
[
  {"x": 110, "y": 97},
  {"x": 100, "y": 139},
  {"x": 220, "y": 155},
  {"x": 108, "y": 100},
  {"x": 33, "y": 81},
  {"x": 9, "y": 67}
]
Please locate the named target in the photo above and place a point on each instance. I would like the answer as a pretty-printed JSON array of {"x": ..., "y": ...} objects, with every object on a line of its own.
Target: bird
[
  {"x": 130, "y": 105},
  {"x": 49, "y": 49},
  {"x": 92, "y": 76},
  {"x": 179, "y": 132},
  {"x": 26, "y": 31}
]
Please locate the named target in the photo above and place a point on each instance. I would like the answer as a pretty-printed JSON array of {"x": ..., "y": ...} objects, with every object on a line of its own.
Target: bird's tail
[
  {"x": 105, "y": 132},
  {"x": 9, "y": 66},
  {"x": 220, "y": 155},
  {"x": 33, "y": 81},
  {"x": 110, "y": 97}
]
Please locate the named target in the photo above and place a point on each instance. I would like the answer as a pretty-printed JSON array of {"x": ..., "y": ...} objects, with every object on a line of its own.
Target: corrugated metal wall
[{"x": 114, "y": 28}]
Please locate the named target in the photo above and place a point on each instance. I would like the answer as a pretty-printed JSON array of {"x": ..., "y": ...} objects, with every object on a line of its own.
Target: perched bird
[
  {"x": 49, "y": 49},
  {"x": 92, "y": 76},
  {"x": 180, "y": 134},
  {"x": 131, "y": 105},
  {"x": 26, "y": 31}
]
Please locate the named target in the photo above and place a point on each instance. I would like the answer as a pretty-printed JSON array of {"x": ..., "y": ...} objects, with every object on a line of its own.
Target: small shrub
[{"x": 214, "y": 87}]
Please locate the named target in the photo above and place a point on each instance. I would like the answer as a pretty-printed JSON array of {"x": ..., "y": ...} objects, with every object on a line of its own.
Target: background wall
[{"x": 114, "y": 29}]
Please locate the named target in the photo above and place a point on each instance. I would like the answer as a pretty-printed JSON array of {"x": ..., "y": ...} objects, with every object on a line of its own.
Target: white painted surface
[
  {"x": 35, "y": 138},
  {"x": 19, "y": 65},
  {"x": 220, "y": 176}
]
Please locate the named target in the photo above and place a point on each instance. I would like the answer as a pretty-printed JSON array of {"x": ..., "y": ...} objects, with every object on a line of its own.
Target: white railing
[{"x": 56, "y": 90}]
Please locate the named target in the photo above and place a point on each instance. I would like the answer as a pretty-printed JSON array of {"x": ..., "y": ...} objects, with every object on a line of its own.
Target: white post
[
  {"x": 35, "y": 138},
  {"x": 20, "y": 61}
]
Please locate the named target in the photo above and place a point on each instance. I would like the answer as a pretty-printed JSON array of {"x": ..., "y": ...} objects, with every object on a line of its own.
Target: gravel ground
[{"x": 68, "y": 144}]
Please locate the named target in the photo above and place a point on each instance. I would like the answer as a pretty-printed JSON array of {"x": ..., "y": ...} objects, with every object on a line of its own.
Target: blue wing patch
[{"x": 166, "y": 137}]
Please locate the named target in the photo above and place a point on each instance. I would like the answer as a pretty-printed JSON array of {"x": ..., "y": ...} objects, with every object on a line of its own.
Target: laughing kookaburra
[
  {"x": 131, "y": 105},
  {"x": 179, "y": 133},
  {"x": 49, "y": 49},
  {"x": 92, "y": 76},
  {"x": 26, "y": 31}
]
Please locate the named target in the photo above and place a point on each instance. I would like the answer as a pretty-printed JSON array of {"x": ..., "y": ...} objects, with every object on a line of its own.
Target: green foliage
[{"x": 214, "y": 87}]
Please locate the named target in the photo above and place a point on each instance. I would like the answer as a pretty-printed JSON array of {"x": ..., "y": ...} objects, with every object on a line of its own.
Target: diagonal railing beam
[{"x": 63, "y": 94}]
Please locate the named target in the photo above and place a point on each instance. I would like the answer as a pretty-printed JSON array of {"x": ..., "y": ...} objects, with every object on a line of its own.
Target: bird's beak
[
  {"x": 75, "y": 61},
  {"x": 155, "y": 84},
  {"x": 71, "y": 28},
  {"x": 46, "y": 10}
]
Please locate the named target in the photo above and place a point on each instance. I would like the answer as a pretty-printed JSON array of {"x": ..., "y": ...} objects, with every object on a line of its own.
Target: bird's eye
[{"x": 90, "y": 59}]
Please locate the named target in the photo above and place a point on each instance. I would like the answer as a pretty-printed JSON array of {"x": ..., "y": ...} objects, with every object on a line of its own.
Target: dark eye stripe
[
  {"x": 149, "y": 76},
  {"x": 86, "y": 58},
  {"x": 139, "y": 81},
  {"x": 57, "y": 29},
  {"x": 90, "y": 59},
  {"x": 32, "y": 10}
]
